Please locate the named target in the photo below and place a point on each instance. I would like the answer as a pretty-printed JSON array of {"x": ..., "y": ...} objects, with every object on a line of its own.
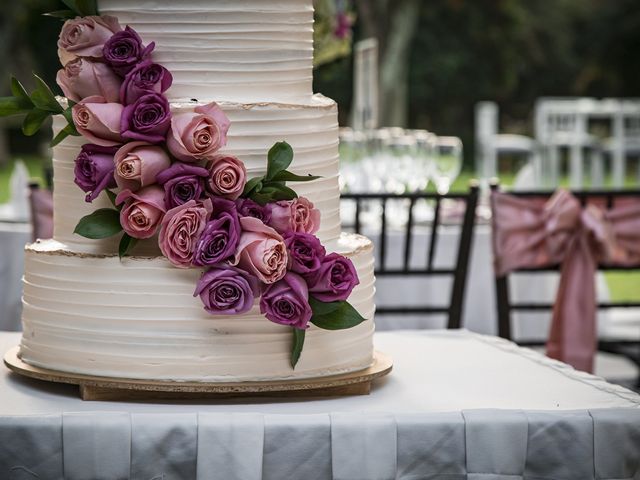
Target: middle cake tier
[{"x": 310, "y": 128}]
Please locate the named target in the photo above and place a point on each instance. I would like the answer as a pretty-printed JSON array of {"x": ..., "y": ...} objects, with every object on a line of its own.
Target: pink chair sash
[
  {"x": 536, "y": 232},
  {"x": 41, "y": 213}
]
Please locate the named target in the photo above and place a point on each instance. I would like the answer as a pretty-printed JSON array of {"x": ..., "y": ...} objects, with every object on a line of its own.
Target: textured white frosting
[
  {"x": 249, "y": 50},
  {"x": 310, "y": 128},
  {"x": 137, "y": 318}
]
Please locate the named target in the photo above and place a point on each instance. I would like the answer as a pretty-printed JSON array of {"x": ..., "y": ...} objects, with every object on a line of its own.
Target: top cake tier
[{"x": 244, "y": 51}]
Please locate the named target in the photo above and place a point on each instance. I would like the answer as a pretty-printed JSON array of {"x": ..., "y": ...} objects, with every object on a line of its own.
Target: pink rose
[
  {"x": 138, "y": 164},
  {"x": 142, "y": 212},
  {"x": 98, "y": 121},
  {"x": 181, "y": 229},
  {"x": 227, "y": 176},
  {"x": 85, "y": 37},
  {"x": 198, "y": 135},
  {"x": 296, "y": 215},
  {"x": 82, "y": 78},
  {"x": 261, "y": 251}
]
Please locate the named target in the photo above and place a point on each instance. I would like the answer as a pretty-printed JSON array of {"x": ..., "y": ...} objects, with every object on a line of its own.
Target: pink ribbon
[{"x": 541, "y": 232}]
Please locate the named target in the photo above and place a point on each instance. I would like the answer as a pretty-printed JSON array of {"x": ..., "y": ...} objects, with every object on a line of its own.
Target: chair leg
[{"x": 504, "y": 313}]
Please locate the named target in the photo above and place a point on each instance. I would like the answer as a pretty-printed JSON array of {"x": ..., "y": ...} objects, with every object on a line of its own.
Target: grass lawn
[{"x": 34, "y": 164}]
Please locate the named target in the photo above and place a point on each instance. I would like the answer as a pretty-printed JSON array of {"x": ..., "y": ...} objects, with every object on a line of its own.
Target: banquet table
[{"x": 458, "y": 405}]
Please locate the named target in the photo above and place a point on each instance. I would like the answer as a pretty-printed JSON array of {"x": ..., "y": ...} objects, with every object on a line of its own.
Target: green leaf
[
  {"x": 334, "y": 315},
  {"x": 103, "y": 223},
  {"x": 287, "y": 176},
  {"x": 126, "y": 243},
  {"x": 61, "y": 14},
  {"x": 64, "y": 133},
  {"x": 19, "y": 92},
  {"x": 252, "y": 185},
  {"x": 43, "y": 98},
  {"x": 112, "y": 197},
  {"x": 298, "y": 343},
  {"x": 277, "y": 192},
  {"x": 13, "y": 106},
  {"x": 86, "y": 7},
  {"x": 33, "y": 121},
  {"x": 259, "y": 198},
  {"x": 279, "y": 158}
]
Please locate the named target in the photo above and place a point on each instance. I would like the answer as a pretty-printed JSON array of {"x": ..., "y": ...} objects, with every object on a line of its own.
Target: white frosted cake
[{"x": 86, "y": 310}]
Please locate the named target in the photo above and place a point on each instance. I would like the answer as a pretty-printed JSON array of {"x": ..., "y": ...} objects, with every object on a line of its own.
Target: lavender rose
[
  {"x": 334, "y": 280},
  {"x": 227, "y": 176},
  {"x": 181, "y": 228},
  {"x": 220, "y": 236},
  {"x": 226, "y": 290},
  {"x": 85, "y": 37},
  {"x": 305, "y": 252},
  {"x": 182, "y": 183},
  {"x": 137, "y": 164},
  {"x": 261, "y": 251},
  {"x": 147, "y": 119},
  {"x": 82, "y": 78},
  {"x": 94, "y": 170},
  {"x": 98, "y": 121},
  {"x": 146, "y": 77},
  {"x": 296, "y": 215},
  {"x": 199, "y": 134},
  {"x": 287, "y": 302},
  {"x": 248, "y": 208},
  {"x": 124, "y": 50},
  {"x": 142, "y": 211}
]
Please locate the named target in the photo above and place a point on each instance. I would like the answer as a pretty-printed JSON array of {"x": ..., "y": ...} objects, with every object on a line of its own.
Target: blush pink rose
[
  {"x": 98, "y": 121},
  {"x": 297, "y": 215},
  {"x": 199, "y": 134},
  {"x": 227, "y": 176},
  {"x": 142, "y": 211},
  {"x": 82, "y": 78},
  {"x": 181, "y": 229},
  {"x": 85, "y": 37},
  {"x": 261, "y": 251},
  {"x": 138, "y": 164}
]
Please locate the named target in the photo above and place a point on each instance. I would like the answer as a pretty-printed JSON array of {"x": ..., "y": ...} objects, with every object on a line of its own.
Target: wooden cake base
[{"x": 109, "y": 388}]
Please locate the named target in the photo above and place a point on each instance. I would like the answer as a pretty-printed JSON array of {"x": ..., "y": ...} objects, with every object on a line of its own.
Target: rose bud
[
  {"x": 94, "y": 170},
  {"x": 227, "y": 176},
  {"x": 124, "y": 50},
  {"x": 296, "y": 215},
  {"x": 334, "y": 280},
  {"x": 181, "y": 228},
  {"x": 142, "y": 211},
  {"x": 98, "y": 121},
  {"x": 138, "y": 164},
  {"x": 146, "y": 77},
  {"x": 226, "y": 290},
  {"x": 82, "y": 78},
  {"x": 287, "y": 302},
  {"x": 261, "y": 251},
  {"x": 198, "y": 135},
  {"x": 248, "y": 208},
  {"x": 182, "y": 182},
  {"x": 220, "y": 236},
  {"x": 85, "y": 37},
  {"x": 147, "y": 119},
  {"x": 305, "y": 252}
]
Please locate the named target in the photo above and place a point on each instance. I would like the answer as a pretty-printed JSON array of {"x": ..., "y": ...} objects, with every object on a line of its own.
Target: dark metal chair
[
  {"x": 458, "y": 271},
  {"x": 630, "y": 348}
]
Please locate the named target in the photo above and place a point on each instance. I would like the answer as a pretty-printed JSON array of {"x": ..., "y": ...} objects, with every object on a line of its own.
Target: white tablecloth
[{"x": 13, "y": 237}]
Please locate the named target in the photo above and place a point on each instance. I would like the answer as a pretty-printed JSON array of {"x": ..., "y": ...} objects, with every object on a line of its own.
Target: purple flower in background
[
  {"x": 343, "y": 25},
  {"x": 147, "y": 119},
  {"x": 226, "y": 290},
  {"x": 124, "y": 50},
  {"x": 220, "y": 237},
  {"x": 334, "y": 280},
  {"x": 94, "y": 169},
  {"x": 249, "y": 208},
  {"x": 182, "y": 182},
  {"x": 287, "y": 302},
  {"x": 146, "y": 77},
  {"x": 305, "y": 252}
]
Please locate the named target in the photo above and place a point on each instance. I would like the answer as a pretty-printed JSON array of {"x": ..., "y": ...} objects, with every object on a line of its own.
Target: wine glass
[{"x": 447, "y": 163}]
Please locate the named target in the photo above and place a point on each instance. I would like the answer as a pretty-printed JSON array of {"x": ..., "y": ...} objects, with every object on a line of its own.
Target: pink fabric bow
[{"x": 536, "y": 232}]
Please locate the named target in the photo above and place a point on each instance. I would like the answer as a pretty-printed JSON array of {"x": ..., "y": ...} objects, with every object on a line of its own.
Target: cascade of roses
[{"x": 167, "y": 178}]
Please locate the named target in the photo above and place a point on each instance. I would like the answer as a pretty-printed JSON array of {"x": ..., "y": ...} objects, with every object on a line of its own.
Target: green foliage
[
  {"x": 103, "y": 223},
  {"x": 82, "y": 8},
  {"x": 127, "y": 242},
  {"x": 334, "y": 315},
  {"x": 296, "y": 347}
]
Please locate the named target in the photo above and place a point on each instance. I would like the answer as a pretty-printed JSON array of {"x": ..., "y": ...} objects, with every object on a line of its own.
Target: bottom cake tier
[{"x": 137, "y": 318}]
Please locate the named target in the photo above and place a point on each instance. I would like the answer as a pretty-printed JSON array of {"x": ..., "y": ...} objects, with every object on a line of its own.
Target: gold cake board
[{"x": 111, "y": 388}]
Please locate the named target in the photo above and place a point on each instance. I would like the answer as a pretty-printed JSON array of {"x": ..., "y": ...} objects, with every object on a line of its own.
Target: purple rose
[
  {"x": 334, "y": 280},
  {"x": 220, "y": 237},
  {"x": 226, "y": 290},
  {"x": 147, "y": 119},
  {"x": 146, "y": 77},
  {"x": 287, "y": 302},
  {"x": 94, "y": 169},
  {"x": 248, "y": 208},
  {"x": 305, "y": 252},
  {"x": 124, "y": 50},
  {"x": 182, "y": 183}
]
